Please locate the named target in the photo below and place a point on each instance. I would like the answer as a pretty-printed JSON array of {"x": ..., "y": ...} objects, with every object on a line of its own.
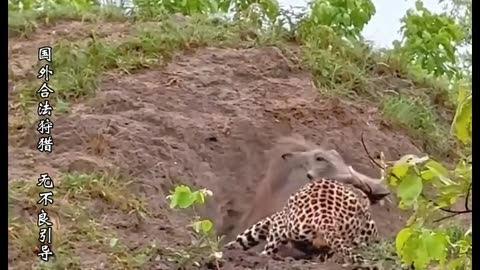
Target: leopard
[
  {"x": 326, "y": 209},
  {"x": 290, "y": 160}
]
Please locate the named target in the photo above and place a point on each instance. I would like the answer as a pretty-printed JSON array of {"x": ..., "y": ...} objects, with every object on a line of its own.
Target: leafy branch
[{"x": 420, "y": 244}]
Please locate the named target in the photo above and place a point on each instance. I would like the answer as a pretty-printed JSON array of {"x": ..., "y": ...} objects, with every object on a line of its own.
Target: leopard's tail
[{"x": 253, "y": 235}]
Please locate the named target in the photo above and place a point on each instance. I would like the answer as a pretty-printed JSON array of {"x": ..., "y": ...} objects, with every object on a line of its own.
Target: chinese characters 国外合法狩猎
[{"x": 45, "y": 145}]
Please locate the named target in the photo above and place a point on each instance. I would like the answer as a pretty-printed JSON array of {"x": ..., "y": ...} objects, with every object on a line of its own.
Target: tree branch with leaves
[{"x": 423, "y": 241}]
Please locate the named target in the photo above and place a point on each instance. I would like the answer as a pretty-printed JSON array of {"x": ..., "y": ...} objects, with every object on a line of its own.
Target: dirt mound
[{"x": 205, "y": 120}]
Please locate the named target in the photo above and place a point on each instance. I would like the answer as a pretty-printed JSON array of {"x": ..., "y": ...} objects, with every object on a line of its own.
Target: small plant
[
  {"x": 260, "y": 13},
  {"x": 183, "y": 197}
]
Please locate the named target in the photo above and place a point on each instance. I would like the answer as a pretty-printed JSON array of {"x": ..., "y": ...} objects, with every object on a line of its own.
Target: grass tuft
[
  {"x": 420, "y": 120},
  {"x": 78, "y": 67},
  {"x": 23, "y": 23}
]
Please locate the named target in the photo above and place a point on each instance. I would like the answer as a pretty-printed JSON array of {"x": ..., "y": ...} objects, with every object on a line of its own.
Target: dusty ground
[{"x": 204, "y": 120}]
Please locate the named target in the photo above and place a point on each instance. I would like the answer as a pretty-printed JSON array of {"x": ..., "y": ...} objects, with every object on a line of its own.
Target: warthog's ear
[
  {"x": 334, "y": 154},
  {"x": 287, "y": 156}
]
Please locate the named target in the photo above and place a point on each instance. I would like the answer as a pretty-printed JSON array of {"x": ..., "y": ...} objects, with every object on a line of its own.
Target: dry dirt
[{"x": 204, "y": 120}]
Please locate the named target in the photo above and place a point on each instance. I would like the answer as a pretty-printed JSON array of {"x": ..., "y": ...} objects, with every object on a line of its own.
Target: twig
[
  {"x": 382, "y": 166},
  {"x": 368, "y": 154},
  {"x": 455, "y": 211},
  {"x": 447, "y": 217}
]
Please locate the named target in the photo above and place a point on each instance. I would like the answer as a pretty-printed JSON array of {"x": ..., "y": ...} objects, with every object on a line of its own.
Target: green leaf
[
  {"x": 401, "y": 166},
  {"x": 436, "y": 244},
  {"x": 419, "y": 5},
  {"x": 401, "y": 238},
  {"x": 463, "y": 169},
  {"x": 346, "y": 19},
  {"x": 358, "y": 19},
  {"x": 438, "y": 168},
  {"x": 463, "y": 120},
  {"x": 414, "y": 251},
  {"x": 203, "y": 226},
  {"x": 350, "y": 4},
  {"x": 201, "y": 194},
  {"x": 409, "y": 189},
  {"x": 434, "y": 169},
  {"x": 206, "y": 226},
  {"x": 426, "y": 35},
  {"x": 181, "y": 197},
  {"x": 199, "y": 197},
  {"x": 421, "y": 258},
  {"x": 406, "y": 254},
  {"x": 427, "y": 174}
]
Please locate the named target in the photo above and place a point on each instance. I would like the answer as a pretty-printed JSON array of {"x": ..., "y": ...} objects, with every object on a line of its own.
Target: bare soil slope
[{"x": 203, "y": 120}]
